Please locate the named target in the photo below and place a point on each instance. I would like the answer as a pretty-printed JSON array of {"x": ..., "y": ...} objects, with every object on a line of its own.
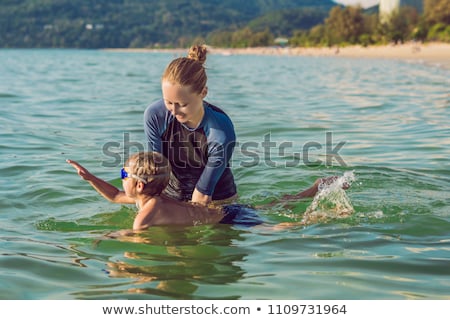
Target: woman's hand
[{"x": 200, "y": 198}]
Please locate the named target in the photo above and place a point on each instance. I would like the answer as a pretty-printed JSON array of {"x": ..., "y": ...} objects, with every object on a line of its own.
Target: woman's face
[{"x": 185, "y": 105}]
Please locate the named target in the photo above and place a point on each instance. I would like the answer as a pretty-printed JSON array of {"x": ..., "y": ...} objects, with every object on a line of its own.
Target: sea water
[{"x": 297, "y": 119}]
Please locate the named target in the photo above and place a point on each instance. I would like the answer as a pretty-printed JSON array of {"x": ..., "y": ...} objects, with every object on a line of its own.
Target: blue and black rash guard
[{"x": 199, "y": 157}]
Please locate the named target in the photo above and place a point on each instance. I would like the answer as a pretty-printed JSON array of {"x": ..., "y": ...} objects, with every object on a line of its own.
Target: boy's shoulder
[
  {"x": 166, "y": 211},
  {"x": 162, "y": 210}
]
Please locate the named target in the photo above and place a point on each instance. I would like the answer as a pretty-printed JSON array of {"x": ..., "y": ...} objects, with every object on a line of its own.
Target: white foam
[{"x": 331, "y": 201}]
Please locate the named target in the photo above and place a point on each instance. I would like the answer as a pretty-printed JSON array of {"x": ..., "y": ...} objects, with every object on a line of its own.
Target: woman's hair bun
[{"x": 198, "y": 53}]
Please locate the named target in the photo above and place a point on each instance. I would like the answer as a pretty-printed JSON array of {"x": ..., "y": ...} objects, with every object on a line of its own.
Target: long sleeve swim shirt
[{"x": 199, "y": 157}]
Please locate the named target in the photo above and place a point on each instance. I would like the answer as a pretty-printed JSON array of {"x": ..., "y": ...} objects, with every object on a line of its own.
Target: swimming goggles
[{"x": 124, "y": 174}]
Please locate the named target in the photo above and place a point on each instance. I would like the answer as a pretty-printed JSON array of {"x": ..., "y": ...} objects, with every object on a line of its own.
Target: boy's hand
[{"x": 82, "y": 171}]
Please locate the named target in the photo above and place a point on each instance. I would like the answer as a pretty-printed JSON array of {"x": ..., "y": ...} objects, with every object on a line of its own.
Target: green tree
[
  {"x": 437, "y": 11},
  {"x": 401, "y": 25},
  {"x": 247, "y": 38},
  {"x": 439, "y": 32},
  {"x": 220, "y": 38},
  {"x": 344, "y": 25},
  {"x": 261, "y": 39}
]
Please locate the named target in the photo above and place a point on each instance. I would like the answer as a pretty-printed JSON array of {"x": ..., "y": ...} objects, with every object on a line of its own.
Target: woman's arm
[
  {"x": 107, "y": 190},
  {"x": 200, "y": 198}
]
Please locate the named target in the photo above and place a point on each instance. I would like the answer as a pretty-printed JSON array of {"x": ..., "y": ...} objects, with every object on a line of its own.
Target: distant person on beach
[
  {"x": 197, "y": 137},
  {"x": 145, "y": 175}
]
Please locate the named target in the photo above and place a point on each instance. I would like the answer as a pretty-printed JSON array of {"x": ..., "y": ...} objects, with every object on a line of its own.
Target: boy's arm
[{"x": 107, "y": 190}]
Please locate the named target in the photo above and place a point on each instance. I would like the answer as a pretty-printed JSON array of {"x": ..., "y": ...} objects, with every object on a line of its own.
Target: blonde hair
[
  {"x": 190, "y": 70},
  {"x": 153, "y": 167}
]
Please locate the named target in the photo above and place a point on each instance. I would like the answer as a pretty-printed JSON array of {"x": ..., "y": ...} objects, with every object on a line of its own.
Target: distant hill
[
  {"x": 284, "y": 22},
  {"x": 141, "y": 23}
]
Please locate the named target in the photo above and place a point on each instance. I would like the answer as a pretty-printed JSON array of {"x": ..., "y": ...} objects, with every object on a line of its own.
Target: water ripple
[{"x": 65, "y": 242}]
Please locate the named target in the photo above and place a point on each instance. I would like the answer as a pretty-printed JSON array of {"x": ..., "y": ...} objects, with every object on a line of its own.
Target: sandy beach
[{"x": 430, "y": 53}]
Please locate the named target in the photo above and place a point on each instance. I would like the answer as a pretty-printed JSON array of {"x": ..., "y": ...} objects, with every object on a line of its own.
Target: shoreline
[{"x": 437, "y": 54}]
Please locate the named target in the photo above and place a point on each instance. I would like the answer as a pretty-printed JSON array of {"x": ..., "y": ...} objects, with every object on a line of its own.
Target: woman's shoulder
[
  {"x": 156, "y": 116},
  {"x": 216, "y": 111},
  {"x": 156, "y": 107},
  {"x": 216, "y": 115},
  {"x": 217, "y": 122}
]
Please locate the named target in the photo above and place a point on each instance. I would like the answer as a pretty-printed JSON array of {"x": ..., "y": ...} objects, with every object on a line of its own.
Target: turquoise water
[{"x": 386, "y": 121}]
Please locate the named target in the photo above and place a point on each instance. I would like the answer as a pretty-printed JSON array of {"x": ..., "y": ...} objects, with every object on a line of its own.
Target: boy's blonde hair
[
  {"x": 188, "y": 71},
  {"x": 153, "y": 167}
]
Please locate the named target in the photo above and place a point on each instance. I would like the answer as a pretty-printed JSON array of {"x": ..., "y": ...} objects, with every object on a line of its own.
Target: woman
[{"x": 197, "y": 137}]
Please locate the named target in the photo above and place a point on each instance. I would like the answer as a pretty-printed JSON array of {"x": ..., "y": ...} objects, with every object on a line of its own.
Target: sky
[{"x": 364, "y": 3}]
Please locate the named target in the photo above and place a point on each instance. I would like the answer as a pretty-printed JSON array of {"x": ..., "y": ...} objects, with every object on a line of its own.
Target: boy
[{"x": 144, "y": 177}]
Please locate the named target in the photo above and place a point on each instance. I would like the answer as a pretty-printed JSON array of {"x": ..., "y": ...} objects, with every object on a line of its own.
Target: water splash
[{"x": 331, "y": 201}]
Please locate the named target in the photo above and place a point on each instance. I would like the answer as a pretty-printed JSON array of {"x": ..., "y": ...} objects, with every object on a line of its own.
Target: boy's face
[
  {"x": 129, "y": 184},
  {"x": 185, "y": 105}
]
